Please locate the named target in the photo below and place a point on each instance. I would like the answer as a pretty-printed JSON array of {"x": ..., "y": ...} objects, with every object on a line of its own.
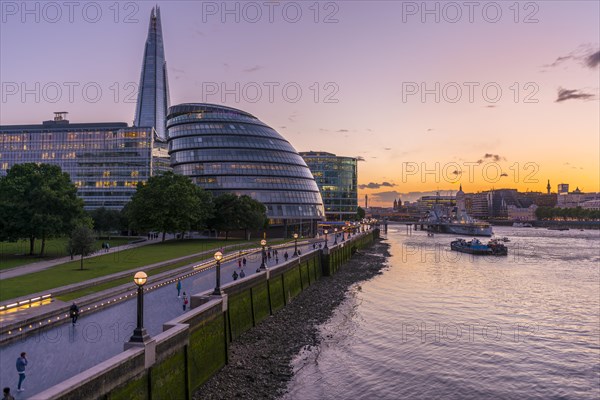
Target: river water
[{"x": 440, "y": 324}]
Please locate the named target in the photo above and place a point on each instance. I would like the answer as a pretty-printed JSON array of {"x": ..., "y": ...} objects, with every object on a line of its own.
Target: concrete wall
[{"x": 194, "y": 346}]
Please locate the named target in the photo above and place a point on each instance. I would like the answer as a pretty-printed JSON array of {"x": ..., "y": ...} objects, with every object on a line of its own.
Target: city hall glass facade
[
  {"x": 227, "y": 150},
  {"x": 105, "y": 161},
  {"x": 337, "y": 180}
]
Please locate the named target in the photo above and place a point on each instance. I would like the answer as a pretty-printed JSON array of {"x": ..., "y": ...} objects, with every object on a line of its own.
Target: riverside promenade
[{"x": 62, "y": 351}]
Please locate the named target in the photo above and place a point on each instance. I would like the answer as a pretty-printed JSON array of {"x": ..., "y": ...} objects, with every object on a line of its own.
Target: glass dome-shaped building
[{"x": 223, "y": 149}]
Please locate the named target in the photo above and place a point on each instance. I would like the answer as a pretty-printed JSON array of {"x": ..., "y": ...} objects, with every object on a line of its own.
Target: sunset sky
[{"x": 370, "y": 61}]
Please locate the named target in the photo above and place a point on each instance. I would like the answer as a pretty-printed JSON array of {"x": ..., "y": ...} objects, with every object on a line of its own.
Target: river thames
[{"x": 439, "y": 324}]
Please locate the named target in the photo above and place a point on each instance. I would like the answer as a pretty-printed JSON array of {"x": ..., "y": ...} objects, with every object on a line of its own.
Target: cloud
[
  {"x": 575, "y": 94},
  {"x": 494, "y": 157},
  {"x": 374, "y": 185},
  {"x": 254, "y": 69},
  {"x": 324, "y": 130},
  {"x": 587, "y": 55},
  {"x": 593, "y": 60},
  {"x": 388, "y": 148}
]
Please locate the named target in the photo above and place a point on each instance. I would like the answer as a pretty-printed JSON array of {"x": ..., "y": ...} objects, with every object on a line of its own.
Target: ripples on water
[{"x": 440, "y": 324}]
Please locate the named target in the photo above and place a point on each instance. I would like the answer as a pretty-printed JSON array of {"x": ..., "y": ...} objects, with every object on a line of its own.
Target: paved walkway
[
  {"x": 62, "y": 351},
  {"x": 42, "y": 265}
]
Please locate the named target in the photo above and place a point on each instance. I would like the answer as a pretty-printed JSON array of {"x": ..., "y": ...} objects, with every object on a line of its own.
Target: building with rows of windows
[
  {"x": 105, "y": 161},
  {"x": 337, "y": 178},
  {"x": 223, "y": 149}
]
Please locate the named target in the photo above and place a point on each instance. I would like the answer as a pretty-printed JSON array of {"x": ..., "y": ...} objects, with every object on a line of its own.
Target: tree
[
  {"x": 253, "y": 214},
  {"x": 360, "y": 213},
  {"x": 227, "y": 214},
  {"x": 38, "y": 201},
  {"x": 105, "y": 220},
  {"x": 169, "y": 203},
  {"x": 81, "y": 242}
]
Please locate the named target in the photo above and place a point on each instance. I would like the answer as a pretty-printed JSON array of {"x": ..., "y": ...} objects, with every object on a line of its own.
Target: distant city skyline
[{"x": 376, "y": 82}]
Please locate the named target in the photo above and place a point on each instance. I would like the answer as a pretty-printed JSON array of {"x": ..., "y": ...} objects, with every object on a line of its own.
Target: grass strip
[{"x": 69, "y": 273}]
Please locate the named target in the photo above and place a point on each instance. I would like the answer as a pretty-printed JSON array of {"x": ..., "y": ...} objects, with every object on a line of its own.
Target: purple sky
[{"x": 364, "y": 65}]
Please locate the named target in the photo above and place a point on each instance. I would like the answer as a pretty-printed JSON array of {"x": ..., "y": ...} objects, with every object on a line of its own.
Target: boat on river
[{"x": 476, "y": 247}]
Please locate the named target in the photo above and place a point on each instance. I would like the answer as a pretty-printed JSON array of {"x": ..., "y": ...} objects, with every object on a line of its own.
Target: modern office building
[
  {"x": 337, "y": 179},
  {"x": 106, "y": 160},
  {"x": 153, "y": 94},
  {"x": 223, "y": 149}
]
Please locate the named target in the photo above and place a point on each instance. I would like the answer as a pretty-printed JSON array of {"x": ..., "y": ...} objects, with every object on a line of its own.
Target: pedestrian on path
[
  {"x": 7, "y": 395},
  {"x": 21, "y": 364},
  {"x": 185, "y": 301},
  {"x": 107, "y": 247},
  {"x": 74, "y": 312},
  {"x": 179, "y": 288},
  {"x": 234, "y": 275},
  {"x": 285, "y": 255},
  {"x": 242, "y": 274},
  {"x": 239, "y": 263},
  {"x": 244, "y": 261},
  {"x": 276, "y": 259}
]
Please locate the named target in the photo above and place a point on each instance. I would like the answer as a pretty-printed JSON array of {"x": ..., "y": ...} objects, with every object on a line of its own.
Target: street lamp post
[
  {"x": 335, "y": 236},
  {"x": 325, "y": 232},
  {"x": 263, "y": 243},
  {"x": 295, "y": 244},
  {"x": 218, "y": 257},
  {"x": 139, "y": 333}
]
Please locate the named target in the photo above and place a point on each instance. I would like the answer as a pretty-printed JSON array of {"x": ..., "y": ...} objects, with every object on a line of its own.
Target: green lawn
[
  {"x": 69, "y": 273},
  {"x": 14, "y": 254}
]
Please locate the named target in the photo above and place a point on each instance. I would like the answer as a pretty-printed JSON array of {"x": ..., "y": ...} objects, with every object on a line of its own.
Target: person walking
[
  {"x": 185, "y": 301},
  {"x": 7, "y": 395},
  {"x": 179, "y": 288},
  {"x": 242, "y": 274},
  {"x": 107, "y": 247},
  {"x": 74, "y": 313},
  {"x": 244, "y": 261},
  {"x": 21, "y": 364},
  {"x": 239, "y": 263},
  {"x": 234, "y": 275},
  {"x": 276, "y": 259},
  {"x": 285, "y": 255}
]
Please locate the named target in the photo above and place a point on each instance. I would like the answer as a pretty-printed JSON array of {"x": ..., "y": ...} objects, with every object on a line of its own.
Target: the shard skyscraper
[{"x": 153, "y": 91}]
